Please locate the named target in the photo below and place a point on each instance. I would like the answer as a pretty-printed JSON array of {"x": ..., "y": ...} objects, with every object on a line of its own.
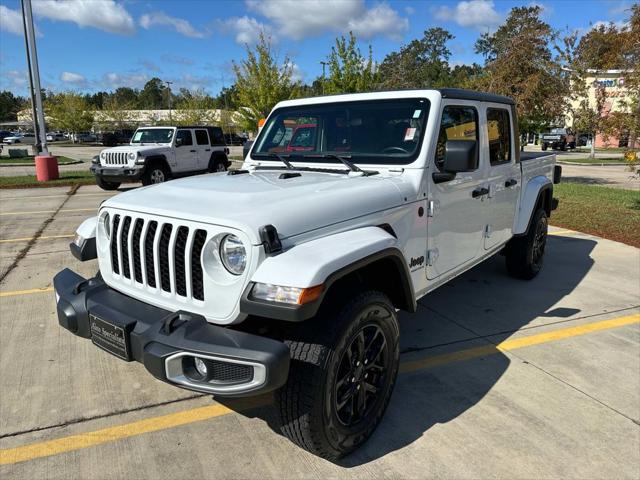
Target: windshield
[
  {"x": 377, "y": 132},
  {"x": 153, "y": 135},
  {"x": 558, "y": 131}
]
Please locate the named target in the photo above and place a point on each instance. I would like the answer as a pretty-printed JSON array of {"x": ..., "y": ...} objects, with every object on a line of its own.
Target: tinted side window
[
  {"x": 201, "y": 137},
  {"x": 499, "y": 136},
  {"x": 217, "y": 138},
  {"x": 458, "y": 123},
  {"x": 185, "y": 135}
]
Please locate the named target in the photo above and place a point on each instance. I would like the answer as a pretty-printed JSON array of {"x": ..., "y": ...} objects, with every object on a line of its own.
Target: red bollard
[{"x": 46, "y": 168}]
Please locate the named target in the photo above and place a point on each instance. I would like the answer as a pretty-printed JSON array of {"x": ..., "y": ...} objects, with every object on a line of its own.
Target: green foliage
[
  {"x": 349, "y": 70},
  {"x": 69, "y": 111},
  {"x": 10, "y": 105},
  {"x": 154, "y": 95},
  {"x": 195, "y": 108},
  {"x": 422, "y": 63},
  {"x": 261, "y": 82}
]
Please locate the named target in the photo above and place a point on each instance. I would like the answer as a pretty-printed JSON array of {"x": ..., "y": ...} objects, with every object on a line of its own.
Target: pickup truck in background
[
  {"x": 558, "y": 139},
  {"x": 158, "y": 154},
  {"x": 287, "y": 276}
]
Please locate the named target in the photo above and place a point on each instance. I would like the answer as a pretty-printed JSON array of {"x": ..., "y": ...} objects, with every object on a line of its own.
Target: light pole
[
  {"x": 169, "y": 89},
  {"x": 324, "y": 64}
]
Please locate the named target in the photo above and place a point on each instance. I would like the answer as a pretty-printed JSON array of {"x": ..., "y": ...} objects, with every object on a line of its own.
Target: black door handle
[
  {"x": 192, "y": 151},
  {"x": 478, "y": 192},
  {"x": 510, "y": 183}
]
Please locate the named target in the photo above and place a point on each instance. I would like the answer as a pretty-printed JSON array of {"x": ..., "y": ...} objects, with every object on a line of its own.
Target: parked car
[
  {"x": 27, "y": 138},
  {"x": 286, "y": 276},
  {"x": 158, "y": 154},
  {"x": 558, "y": 139},
  {"x": 84, "y": 137},
  {"x": 55, "y": 137},
  {"x": 4, "y": 134},
  {"x": 111, "y": 139},
  {"x": 234, "y": 139}
]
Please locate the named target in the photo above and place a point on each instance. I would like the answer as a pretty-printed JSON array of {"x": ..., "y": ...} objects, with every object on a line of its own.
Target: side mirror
[
  {"x": 246, "y": 147},
  {"x": 459, "y": 156},
  {"x": 179, "y": 142}
]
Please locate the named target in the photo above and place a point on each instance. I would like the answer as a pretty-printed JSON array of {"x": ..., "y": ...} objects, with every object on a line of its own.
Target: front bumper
[
  {"x": 118, "y": 174},
  {"x": 165, "y": 341}
]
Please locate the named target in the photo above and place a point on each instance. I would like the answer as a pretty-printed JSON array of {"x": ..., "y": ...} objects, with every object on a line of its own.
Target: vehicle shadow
[{"x": 481, "y": 303}]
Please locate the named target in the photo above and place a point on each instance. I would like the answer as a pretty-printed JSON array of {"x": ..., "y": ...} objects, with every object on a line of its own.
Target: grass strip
[
  {"x": 66, "y": 179},
  {"x": 30, "y": 160}
]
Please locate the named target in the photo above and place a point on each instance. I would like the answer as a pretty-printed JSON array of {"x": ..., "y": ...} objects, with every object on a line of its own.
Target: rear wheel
[
  {"x": 343, "y": 370},
  {"x": 544, "y": 146},
  {"x": 525, "y": 255},
  {"x": 105, "y": 185},
  {"x": 155, "y": 173},
  {"x": 217, "y": 165}
]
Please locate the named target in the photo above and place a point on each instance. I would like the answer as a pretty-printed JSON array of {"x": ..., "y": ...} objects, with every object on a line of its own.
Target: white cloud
[
  {"x": 16, "y": 79},
  {"x": 105, "y": 15},
  {"x": 478, "y": 14},
  {"x": 75, "y": 78},
  {"x": 319, "y": 16},
  {"x": 246, "y": 29},
  {"x": 180, "y": 25},
  {"x": 132, "y": 80},
  {"x": 620, "y": 25},
  {"x": 11, "y": 21}
]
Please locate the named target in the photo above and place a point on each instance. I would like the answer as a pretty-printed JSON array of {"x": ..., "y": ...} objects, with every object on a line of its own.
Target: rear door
[
  {"x": 503, "y": 174},
  {"x": 455, "y": 231},
  {"x": 203, "y": 147},
  {"x": 186, "y": 153}
]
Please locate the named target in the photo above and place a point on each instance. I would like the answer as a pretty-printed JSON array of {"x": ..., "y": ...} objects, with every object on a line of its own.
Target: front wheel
[
  {"x": 524, "y": 255},
  {"x": 544, "y": 147},
  {"x": 156, "y": 173},
  {"x": 105, "y": 185},
  {"x": 343, "y": 370}
]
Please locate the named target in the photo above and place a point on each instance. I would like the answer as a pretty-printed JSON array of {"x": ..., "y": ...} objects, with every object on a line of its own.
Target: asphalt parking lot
[{"x": 500, "y": 378}]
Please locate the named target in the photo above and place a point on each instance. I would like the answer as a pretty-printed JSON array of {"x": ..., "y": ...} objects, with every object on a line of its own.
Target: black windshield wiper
[
  {"x": 282, "y": 159},
  {"x": 345, "y": 159}
]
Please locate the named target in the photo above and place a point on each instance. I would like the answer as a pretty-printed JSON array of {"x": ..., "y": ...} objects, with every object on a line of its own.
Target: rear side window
[
  {"x": 499, "y": 128},
  {"x": 458, "y": 123},
  {"x": 201, "y": 137},
  {"x": 185, "y": 136},
  {"x": 217, "y": 138}
]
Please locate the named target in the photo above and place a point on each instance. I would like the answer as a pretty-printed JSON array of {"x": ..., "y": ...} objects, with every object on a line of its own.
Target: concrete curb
[
  {"x": 592, "y": 164},
  {"x": 75, "y": 162}
]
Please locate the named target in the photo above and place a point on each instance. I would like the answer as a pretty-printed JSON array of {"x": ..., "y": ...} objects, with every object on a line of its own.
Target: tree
[
  {"x": 195, "y": 108},
  {"x": 423, "y": 63},
  {"x": 153, "y": 95},
  {"x": 463, "y": 76},
  {"x": 114, "y": 115},
  {"x": 349, "y": 70},
  {"x": 10, "y": 105},
  {"x": 519, "y": 63},
  {"x": 126, "y": 96},
  {"x": 69, "y": 111},
  {"x": 227, "y": 97},
  {"x": 261, "y": 82}
]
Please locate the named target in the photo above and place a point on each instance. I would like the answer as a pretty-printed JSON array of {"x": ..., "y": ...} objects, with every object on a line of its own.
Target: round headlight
[
  {"x": 103, "y": 155},
  {"x": 233, "y": 254},
  {"x": 106, "y": 224},
  {"x": 132, "y": 155}
]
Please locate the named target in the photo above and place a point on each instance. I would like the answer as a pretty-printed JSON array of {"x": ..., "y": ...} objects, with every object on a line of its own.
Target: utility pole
[
  {"x": 31, "y": 90},
  {"x": 324, "y": 64},
  {"x": 34, "y": 79},
  {"x": 169, "y": 89}
]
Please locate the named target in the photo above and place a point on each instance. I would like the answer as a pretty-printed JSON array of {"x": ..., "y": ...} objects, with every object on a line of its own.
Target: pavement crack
[
  {"x": 23, "y": 253},
  {"x": 98, "y": 417}
]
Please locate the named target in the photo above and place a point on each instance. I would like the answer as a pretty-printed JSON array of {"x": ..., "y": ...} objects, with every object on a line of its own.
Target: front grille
[
  {"x": 226, "y": 372},
  {"x": 158, "y": 255},
  {"x": 115, "y": 158}
]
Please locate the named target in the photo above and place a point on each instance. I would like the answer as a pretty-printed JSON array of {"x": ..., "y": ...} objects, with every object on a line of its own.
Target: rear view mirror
[
  {"x": 460, "y": 156},
  {"x": 179, "y": 142}
]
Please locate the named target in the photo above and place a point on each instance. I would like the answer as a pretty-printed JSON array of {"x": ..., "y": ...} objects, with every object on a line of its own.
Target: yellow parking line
[
  {"x": 26, "y": 239},
  {"x": 26, "y": 292},
  {"x": 51, "y": 211},
  {"x": 153, "y": 424}
]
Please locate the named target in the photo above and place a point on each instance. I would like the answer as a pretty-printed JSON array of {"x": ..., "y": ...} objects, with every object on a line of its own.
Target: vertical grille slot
[
  {"x": 165, "y": 236},
  {"x": 137, "y": 265},
  {"x": 124, "y": 247},
  {"x": 181, "y": 245},
  {"x": 148, "y": 254},
  {"x": 196, "y": 266},
  {"x": 115, "y": 265}
]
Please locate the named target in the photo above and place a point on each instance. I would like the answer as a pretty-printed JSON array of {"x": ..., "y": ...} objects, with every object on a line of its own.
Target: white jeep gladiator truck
[
  {"x": 157, "y": 154},
  {"x": 287, "y": 276}
]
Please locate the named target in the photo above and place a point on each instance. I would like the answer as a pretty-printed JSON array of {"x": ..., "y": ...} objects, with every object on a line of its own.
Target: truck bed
[{"x": 524, "y": 156}]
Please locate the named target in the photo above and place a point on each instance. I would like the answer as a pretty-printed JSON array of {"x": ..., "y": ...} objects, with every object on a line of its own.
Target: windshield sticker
[
  {"x": 417, "y": 113},
  {"x": 137, "y": 136},
  {"x": 410, "y": 134}
]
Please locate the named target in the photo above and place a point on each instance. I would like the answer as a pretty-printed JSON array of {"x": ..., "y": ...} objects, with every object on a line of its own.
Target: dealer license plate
[{"x": 112, "y": 338}]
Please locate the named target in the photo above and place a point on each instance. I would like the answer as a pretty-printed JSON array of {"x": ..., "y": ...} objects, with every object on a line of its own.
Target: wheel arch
[
  {"x": 158, "y": 158},
  {"x": 538, "y": 193},
  {"x": 218, "y": 156}
]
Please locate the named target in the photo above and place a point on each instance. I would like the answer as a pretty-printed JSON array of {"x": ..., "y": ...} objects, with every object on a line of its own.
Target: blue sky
[{"x": 91, "y": 45}]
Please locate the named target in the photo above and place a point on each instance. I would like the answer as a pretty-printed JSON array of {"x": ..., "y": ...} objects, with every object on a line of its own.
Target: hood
[
  {"x": 251, "y": 200},
  {"x": 138, "y": 148}
]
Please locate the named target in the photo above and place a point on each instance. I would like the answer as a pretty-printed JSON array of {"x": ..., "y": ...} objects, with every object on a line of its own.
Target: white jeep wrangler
[
  {"x": 157, "y": 154},
  {"x": 287, "y": 275}
]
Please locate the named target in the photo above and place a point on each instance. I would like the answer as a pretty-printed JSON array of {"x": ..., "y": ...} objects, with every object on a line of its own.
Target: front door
[
  {"x": 503, "y": 177},
  {"x": 456, "y": 229},
  {"x": 186, "y": 153}
]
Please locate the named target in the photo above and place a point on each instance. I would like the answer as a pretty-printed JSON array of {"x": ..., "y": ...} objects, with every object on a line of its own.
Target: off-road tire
[
  {"x": 544, "y": 147},
  {"x": 524, "y": 255},
  {"x": 217, "y": 164},
  {"x": 105, "y": 185},
  {"x": 308, "y": 402},
  {"x": 156, "y": 172}
]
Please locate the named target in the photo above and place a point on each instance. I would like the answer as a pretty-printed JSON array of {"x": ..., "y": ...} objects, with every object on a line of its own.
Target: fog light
[{"x": 201, "y": 367}]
